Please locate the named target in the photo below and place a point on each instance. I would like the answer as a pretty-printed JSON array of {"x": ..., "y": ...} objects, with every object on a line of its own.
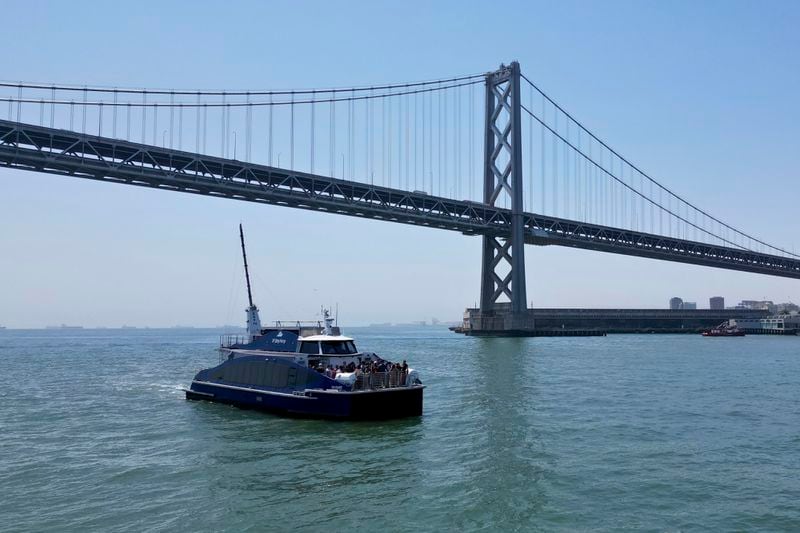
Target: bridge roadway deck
[{"x": 42, "y": 149}]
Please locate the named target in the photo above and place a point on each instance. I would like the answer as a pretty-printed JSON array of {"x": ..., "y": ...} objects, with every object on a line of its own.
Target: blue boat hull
[{"x": 373, "y": 404}]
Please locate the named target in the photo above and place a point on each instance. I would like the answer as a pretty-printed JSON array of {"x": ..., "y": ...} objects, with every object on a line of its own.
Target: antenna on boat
[{"x": 253, "y": 320}]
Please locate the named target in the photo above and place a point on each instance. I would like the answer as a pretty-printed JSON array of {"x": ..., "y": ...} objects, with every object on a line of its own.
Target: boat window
[
  {"x": 309, "y": 347},
  {"x": 338, "y": 348},
  {"x": 330, "y": 348}
]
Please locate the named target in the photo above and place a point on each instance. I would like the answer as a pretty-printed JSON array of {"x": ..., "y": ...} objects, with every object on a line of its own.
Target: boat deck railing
[
  {"x": 229, "y": 339},
  {"x": 380, "y": 380},
  {"x": 299, "y": 324}
]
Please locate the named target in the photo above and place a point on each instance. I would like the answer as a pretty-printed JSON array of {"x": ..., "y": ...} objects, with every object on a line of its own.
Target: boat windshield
[
  {"x": 309, "y": 347},
  {"x": 338, "y": 348}
]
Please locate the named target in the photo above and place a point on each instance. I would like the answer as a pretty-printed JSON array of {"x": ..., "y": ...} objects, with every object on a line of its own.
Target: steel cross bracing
[
  {"x": 41, "y": 149},
  {"x": 502, "y": 175}
]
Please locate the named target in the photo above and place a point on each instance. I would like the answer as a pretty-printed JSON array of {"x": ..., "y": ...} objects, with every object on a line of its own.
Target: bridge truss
[{"x": 62, "y": 152}]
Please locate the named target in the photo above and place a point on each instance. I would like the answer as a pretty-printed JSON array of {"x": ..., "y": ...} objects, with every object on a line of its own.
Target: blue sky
[{"x": 701, "y": 95}]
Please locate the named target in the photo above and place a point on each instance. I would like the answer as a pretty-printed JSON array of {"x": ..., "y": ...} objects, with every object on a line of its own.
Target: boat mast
[
  {"x": 246, "y": 271},
  {"x": 253, "y": 320}
]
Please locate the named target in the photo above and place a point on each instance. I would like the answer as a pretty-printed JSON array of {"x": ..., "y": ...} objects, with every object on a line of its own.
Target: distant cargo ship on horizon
[{"x": 63, "y": 326}]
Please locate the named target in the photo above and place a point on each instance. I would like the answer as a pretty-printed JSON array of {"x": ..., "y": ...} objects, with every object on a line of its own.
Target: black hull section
[
  {"x": 362, "y": 405},
  {"x": 384, "y": 404}
]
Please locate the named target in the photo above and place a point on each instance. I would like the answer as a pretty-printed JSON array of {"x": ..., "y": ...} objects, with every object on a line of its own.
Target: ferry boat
[
  {"x": 724, "y": 330},
  {"x": 306, "y": 369}
]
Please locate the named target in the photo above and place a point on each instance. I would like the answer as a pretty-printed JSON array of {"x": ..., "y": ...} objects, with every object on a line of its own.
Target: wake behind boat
[{"x": 306, "y": 369}]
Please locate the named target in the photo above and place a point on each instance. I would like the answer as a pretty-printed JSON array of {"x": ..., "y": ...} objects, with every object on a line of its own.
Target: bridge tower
[{"x": 503, "y": 264}]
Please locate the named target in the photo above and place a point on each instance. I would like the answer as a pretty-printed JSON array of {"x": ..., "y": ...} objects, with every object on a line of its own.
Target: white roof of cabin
[
  {"x": 324, "y": 338},
  {"x": 263, "y": 352}
]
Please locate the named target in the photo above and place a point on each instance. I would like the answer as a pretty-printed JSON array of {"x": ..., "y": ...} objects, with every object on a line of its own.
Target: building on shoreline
[{"x": 783, "y": 324}]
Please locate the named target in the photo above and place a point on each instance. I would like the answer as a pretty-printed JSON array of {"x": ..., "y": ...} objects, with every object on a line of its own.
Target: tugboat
[
  {"x": 306, "y": 369},
  {"x": 724, "y": 330}
]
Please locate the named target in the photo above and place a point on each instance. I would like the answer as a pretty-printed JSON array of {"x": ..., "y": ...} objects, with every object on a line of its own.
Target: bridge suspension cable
[
  {"x": 628, "y": 197},
  {"x": 418, "y": 136},
  {"x": 225, "y": 103},
  {"x": 219, "y": 92},
  {"x": 385, "y": 135}
]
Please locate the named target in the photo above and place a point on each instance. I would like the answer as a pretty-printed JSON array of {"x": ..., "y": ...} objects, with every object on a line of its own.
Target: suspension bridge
[{"x": 487, "y": 154}]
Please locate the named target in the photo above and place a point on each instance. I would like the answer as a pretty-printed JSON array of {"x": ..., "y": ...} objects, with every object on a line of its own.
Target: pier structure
[{"x": 560, "y": 321}]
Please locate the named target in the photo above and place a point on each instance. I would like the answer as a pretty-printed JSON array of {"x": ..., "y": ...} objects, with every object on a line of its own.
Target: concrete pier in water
[{"x": 501, "y": 321}]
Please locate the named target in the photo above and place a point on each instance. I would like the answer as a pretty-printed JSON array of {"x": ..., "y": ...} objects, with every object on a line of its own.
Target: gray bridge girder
[{"x": 42, "y": 149}]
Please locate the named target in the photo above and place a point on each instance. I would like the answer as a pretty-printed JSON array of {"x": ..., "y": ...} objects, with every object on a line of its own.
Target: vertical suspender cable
[
  {"x": 578, "y": 183},
  {"x": 332, "y": 134},
  {"x": 567, "y": 175},
  {"x": 171, "y": 117},
  {"x": 349, "y": 142},
  {"x": 530, "y": 153},
  {"x": 424, "y": 143},
  {"x": 248, "y": 130},
  {"x": 416, "y": 144},
  {"x": 445, "y": 174},
  {"x": 400, "y": 184},
  {"x": 430, "y": 140},
  {"x": 590, "y": 177},
  {"x": 205, "y": 127},
  {"x": 291, "y": 134},
  {"x": 197, "y": 125},
  {"x": 313, "y": 128},
  {"x": 113, "y": 120},
  {"x": 544, "y": 168},
  {"x": 83, "y": 126},
  {"x": 155, "y": 124},
  {"x": 269, "y": 131},
  {"x": 370, "y": 139},
  {"x": 367, "y": 133},
  {"x": 408, "y": 183},
  {"x": 180, "y": 127},
  {"x": 53, "y": 106},
  {"x": 471, "y": 142},
  {"x": 222, "y": 132},
  {"x": 439, "y": 142},
  {"x": 457, "y": 141},
  {"x": 555, "y": 164}
]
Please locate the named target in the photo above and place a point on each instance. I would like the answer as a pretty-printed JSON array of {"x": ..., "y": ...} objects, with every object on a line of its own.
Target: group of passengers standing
[{"x": 367, "y": 371}]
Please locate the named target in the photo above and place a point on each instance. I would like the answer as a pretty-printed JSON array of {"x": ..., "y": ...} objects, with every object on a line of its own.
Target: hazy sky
[{"x": 703, "y": 96}]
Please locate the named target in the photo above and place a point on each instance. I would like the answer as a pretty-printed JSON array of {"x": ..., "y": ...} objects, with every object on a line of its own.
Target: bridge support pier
[{"x": 503, "y": 263}]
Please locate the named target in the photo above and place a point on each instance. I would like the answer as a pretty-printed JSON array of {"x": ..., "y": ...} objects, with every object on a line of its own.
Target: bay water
[{"x": 624, "y": 432}]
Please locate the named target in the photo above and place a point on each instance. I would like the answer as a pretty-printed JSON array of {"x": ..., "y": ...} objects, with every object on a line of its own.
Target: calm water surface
[{"x": 646, "y": 432}]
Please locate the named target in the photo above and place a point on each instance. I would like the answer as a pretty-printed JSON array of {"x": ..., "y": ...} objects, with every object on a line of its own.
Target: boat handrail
[
  {"x": 380, "y": 380},
  {"x": 298, "y": 323},
  {"x": 227, "y": 340}
]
